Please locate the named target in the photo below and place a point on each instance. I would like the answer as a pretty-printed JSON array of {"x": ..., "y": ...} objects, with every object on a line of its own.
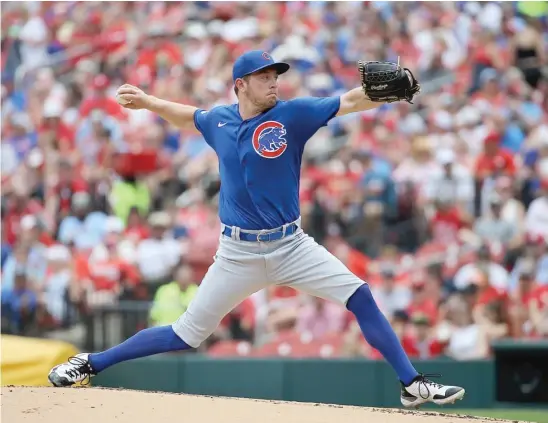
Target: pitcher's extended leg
[
  {"x": 379, "y": 334},
  {"x": 147, "y": 342},
  {"x": 416, "y": 389},
  {"x": 309, "y": 267},
  {"x": 232, "y": 278}
]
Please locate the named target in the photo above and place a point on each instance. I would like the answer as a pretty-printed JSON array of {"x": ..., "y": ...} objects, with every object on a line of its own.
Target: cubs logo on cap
[
  {"x": 268, "y": 139},
  {"x": 254, "y": 61}
]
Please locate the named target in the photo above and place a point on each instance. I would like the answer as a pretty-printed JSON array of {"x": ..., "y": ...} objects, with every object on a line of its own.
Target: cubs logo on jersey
[{"x": 268, "y": 139}]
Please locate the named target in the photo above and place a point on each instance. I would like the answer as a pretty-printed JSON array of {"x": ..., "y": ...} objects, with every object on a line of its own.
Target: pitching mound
[{"x": 95, "y": 405}]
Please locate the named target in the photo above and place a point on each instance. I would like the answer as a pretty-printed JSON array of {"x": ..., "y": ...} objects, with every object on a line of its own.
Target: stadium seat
[
  {"x": 301, "y": 345},
  {"x": 230, "y": 349}
]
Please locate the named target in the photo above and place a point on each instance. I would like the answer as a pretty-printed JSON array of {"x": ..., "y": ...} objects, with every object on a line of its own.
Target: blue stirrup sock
[
  {"x": 379, "y": 334},
  {"x": 147, "y": 342}
]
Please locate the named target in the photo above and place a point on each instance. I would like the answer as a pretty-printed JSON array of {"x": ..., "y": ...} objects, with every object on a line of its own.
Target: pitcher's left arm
[{"x": 355, "y": 100}]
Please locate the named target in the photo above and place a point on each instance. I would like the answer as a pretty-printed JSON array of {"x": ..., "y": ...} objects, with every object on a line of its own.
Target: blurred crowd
[{"x": 441, "y": 205}]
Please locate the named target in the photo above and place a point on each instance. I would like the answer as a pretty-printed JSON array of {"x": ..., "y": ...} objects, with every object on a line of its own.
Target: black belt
[{"x": 264, "y": 236}]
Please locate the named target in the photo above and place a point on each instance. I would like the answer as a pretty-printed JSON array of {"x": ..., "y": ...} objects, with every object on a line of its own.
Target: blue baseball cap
[{"x": 256, "y": 60}]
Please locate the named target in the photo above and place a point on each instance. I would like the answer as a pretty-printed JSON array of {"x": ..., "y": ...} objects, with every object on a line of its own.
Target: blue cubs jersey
[{"x": 260, "y": 158}]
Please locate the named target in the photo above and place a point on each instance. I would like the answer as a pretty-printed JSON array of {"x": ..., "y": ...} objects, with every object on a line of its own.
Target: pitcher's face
[{"x": 261, "y": 88}]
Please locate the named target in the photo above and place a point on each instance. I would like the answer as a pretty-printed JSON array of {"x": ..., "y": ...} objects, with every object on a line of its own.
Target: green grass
[{"x": 538, "y": 416}]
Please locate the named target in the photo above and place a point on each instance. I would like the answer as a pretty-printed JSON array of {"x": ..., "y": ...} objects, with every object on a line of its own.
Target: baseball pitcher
[{"x": 259, "y": 142}]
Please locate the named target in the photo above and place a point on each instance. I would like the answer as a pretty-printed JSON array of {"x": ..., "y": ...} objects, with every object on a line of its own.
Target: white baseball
[{"x": 121, "y": 101}]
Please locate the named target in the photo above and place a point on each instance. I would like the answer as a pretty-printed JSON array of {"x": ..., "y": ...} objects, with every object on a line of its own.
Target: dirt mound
[{"x": 93, "y": 405}]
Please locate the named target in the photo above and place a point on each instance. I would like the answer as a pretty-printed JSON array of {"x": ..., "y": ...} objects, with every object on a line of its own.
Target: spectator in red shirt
[
  {"x": 158, "y": 52},
  {"x": 55, "y": 131},
  {"x": 136, "y": 229},
  {"x": 102, "y": 100},
  {"x": 110, "y": 276},
  {"x": 538, "y": 309},
  {"x": 421, "y": 342},
  {"x": 525, "y": 291},
  {"x": 488, "y": 304},
  {"x": 526, "y": 303},
  {"x": 482, "y": 291},
  {"x": 357, "y": 262},
  {"x": 488, "y": 307},
  {"x": 520, "y": 299},
  {"x": 18, "y": 205},
  {"x": 239, "y": 324},
  {"x": 418, "y": 340},
  {"x": 97, "y": 140},
  {"x": 363, "y": 137},
  {"x": 421, "y": 301},
  {"x": 494, "y": 160},
  {"x": 68, "y": 184},
  {"x": 114, "y": 40},
  {"x": 494, "y": 321},
  {"x": 33, "y": 230},
  {"x": 447, "y": 222},
  {"x": 87, "y": 27}
]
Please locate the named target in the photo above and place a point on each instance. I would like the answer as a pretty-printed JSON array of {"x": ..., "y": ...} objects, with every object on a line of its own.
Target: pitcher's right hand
[{"x": 132, "y": 97}]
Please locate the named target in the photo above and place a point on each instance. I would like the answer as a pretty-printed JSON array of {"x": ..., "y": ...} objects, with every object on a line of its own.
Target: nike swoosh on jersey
[{"x": 221, "y": 124}]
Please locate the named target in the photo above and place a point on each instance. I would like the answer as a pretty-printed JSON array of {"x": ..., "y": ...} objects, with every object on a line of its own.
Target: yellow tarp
[{"x": 27, "y": 361}]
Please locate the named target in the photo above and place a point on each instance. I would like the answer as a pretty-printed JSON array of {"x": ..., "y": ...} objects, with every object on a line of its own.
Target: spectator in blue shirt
[
  {"x": 23, "y": 137},
  {"x": 377, "y": 183},
  {"x": 14, "y": 262},
  {"x": 19, "y": 303},
  {"x": 531, "y": 184},
  {"x": 5, "y": 249}
]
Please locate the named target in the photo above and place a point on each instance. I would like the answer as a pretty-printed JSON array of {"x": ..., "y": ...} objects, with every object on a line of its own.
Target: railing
[{"x": 109, "y": 325}]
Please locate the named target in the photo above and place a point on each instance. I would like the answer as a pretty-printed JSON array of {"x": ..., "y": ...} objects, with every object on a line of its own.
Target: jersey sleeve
[
  {"x": 201, "y": 122},
  {"x": 315, "y": 112}
]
